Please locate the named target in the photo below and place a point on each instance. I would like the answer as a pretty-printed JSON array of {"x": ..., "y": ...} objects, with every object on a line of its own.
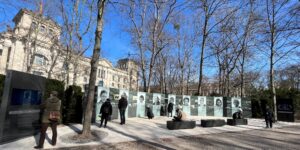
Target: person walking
[
  {"x": 51, "y": 116},
  {"x": 268, "y": 117},
  {"x": 106, "y": 111},
  {"x": 122, "y": 105},
  {"x": 170, "y": 108}
]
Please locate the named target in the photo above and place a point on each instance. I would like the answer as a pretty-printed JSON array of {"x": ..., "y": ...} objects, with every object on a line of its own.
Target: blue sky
[{"x": 115, "y": 42}]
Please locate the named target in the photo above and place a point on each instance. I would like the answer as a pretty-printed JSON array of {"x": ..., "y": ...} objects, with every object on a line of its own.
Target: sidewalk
[{"x": 136, "y": 129}]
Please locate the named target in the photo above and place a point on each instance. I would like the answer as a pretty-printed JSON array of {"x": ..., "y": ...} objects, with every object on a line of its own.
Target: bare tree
[
  {"x": 208, "y": 10},
  {"x": 278, "y": 37},
  {"x": 77, "y": 22},
  {"x": 185, "y": 41},
  {"x": 86, "y": 130},
  {"x": 149, "y": 20}
]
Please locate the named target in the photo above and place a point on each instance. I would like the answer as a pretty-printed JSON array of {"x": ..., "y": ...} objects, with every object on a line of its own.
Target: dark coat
[
  {"x": 150, "y": 114},
  {"x": 269, "y": 114},
  {"x": 122, "y": 105},
  {"x": 170, "y": 107},
  {"x": 106, "y": 106}
]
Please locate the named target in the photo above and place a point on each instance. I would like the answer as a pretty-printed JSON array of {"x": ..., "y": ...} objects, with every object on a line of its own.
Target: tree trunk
[
  {"x": 86, "y": 131},
  {"x": 272, "y": 49},
  {"x": 202, "y": 54},
  {"x": 188, "y": 79},
  {"x": 220, "y": 79},
  {"x": 181, "y": 82}
]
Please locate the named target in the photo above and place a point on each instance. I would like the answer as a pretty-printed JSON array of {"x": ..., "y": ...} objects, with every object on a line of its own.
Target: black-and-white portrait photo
[
  {"x": 218, "y": 102},
  {"x": 201, "y": 101},
  {"x": 186, "y": 101},
  {"x": 218, "y": 106},
  {"x": 236, "y": 103},
  {"x": 156, "y": 100},
  {"x": 141, "y": 99}
]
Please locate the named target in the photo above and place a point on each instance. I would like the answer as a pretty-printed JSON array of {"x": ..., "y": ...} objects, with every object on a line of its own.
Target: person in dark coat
[
  {"x": 170, "y": 108},
  {"x": 106, "y": 111},
  {"x": 150, "y": 114},
  {"x": 162, "y": 110},
  {"x": 268, "y": 117},
  {"x": 122, "y": 105},
  {"x": 51, "y": 116}
]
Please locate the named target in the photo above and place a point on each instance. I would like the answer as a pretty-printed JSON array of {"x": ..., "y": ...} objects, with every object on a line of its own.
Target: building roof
[{"x": 47, "y": 20}]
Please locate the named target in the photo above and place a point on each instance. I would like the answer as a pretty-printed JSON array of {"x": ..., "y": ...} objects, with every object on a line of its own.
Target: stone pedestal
[
  {"x": 175, "y": 125},
  {"x": 234, "y": 122},
  {"x": 212, "y": 122}
]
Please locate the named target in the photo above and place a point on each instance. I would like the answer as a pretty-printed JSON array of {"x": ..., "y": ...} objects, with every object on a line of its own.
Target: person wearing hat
[
  {"x": 51, "y": 116},
  {"x": 181, "y": 116},
  {"x": 106, "y": 111}
]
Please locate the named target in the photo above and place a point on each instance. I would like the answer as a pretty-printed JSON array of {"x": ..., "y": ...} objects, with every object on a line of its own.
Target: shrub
[{"x": 72, "y": 109}]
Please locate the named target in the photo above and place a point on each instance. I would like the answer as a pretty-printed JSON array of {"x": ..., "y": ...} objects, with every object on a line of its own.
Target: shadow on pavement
[{"x": 141, "y": 140}]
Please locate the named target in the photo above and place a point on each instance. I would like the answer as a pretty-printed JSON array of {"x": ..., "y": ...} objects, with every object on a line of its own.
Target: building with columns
[{"x": 34, "y": 46}]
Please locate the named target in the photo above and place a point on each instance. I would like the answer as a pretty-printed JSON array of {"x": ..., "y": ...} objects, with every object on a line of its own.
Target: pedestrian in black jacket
[
  {"x": 106, "y": 111},
  {"x": 122, "y": 108},
  {"x": 268, "y": 117},
  {"x": 170, "y": 108},
  {"x": 150, "y": 114}
]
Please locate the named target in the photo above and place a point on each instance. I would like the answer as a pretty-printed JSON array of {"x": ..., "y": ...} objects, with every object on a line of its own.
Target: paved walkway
[{"x": 152, "y": 132}]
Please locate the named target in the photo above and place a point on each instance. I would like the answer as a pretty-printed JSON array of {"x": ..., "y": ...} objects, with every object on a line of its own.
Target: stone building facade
[{"x": 34, "y": 46}]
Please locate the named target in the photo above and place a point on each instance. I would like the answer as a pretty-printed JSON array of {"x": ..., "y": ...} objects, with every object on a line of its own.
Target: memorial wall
[
  {"x": 20, "y": 105},
  {"x": 191, "y": 105}
]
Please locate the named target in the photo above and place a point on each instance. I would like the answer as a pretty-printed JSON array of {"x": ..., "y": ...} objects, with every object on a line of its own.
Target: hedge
[{"x": 72, "y": 110}]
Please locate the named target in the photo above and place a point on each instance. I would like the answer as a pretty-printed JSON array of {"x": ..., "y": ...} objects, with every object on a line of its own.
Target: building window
[
  {"x": 123, "y": 86},
  {"x": 99, "y": 73},
  {"x": 43, "y": 29},
  {"x": 37, "y": 73},
  {"x": 1, "y": 52},
  {"x": 86, "y": 71},
  {"x": 33, "y": 25},
  {"x": 118, "y": 85},
  {"x": 51, "y": 33},
  {"x": 112, "y": 84},
  {"x": 85, "y": 79},
  {"x": 8, "y": 55},
  {"x": 114, "y": 77},
  {"x": 103, "y": 74},
  {"x": 119, "y": 80},
  {"x": 125, "y": 80},
  {"x": 39, "y": 59}
]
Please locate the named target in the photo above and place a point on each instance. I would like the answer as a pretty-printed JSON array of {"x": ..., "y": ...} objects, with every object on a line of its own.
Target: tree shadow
[
  {"x": 74, "y": 128},
  {"x": 141, "y": 140}
]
